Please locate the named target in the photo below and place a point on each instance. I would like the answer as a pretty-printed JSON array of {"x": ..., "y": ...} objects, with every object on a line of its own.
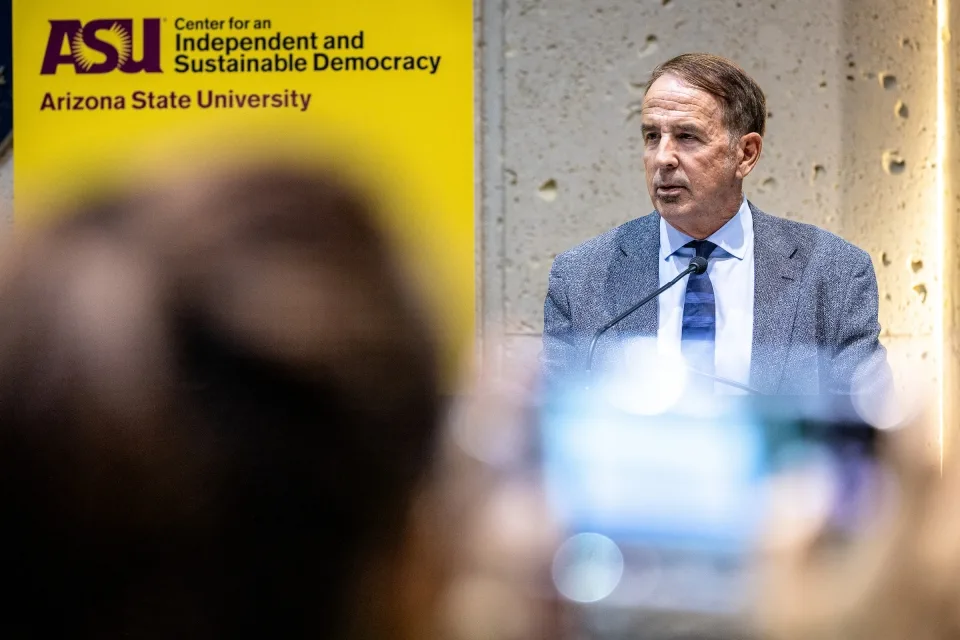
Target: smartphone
[{"x": 663, "y": 511}]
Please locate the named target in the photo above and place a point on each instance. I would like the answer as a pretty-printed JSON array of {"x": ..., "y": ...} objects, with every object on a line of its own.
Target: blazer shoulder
[
  {"x": 817, "y": 242},
  {"x": 602, "y": 247}
]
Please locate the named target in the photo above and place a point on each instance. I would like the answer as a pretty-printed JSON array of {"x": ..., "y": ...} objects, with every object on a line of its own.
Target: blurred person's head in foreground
[{"x": 218, "y": 406}]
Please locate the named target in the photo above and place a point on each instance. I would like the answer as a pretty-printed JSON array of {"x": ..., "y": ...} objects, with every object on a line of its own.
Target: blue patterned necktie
[{"x": 698, "y": 336}]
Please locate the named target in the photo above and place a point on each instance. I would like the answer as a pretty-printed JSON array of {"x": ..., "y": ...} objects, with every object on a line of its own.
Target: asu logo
[{"x": 101, "y": 46}]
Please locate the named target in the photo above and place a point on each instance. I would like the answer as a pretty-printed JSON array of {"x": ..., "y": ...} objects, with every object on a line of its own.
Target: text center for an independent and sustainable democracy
[
  {"x": 274, "y": 53},
  {"x": 232, "y": 54}
]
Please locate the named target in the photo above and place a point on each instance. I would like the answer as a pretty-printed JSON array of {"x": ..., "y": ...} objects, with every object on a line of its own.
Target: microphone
[{"x": 697, "y": 266}]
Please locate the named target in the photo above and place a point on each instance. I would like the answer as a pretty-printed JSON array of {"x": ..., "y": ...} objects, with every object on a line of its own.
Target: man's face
[{"x": 690, "y": 163}]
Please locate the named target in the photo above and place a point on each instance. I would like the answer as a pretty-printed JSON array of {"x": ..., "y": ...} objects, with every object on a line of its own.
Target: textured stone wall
[
  {"x": 886, "y": 169},
  {"x": 951, "y": 231}
]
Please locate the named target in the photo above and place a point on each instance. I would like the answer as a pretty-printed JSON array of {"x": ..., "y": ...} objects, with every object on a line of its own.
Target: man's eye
[{"x": 651, "y": 136}]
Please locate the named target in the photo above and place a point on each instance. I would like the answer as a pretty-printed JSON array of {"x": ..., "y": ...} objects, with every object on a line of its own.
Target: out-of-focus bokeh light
[
  {"x": 491, "y": 422},
  {"x": 587, "y": 567},
  {"x": 515, "y": 529},
  {"x": 495, "y": 440},
  {"x": 897, "y": 407},
  {"x": 646, "y": 381}
]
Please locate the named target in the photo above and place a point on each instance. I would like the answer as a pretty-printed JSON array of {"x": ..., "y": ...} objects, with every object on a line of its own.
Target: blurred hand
[
  {"x": 898, "y": 579},
  {"x": 502, "y": 534}
]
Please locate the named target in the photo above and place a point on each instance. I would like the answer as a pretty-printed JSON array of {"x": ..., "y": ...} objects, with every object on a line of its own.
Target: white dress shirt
[{"x": 731, "y": 271}]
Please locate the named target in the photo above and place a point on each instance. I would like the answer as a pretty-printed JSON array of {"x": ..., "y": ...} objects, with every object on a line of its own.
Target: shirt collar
[{"x": 732, "y": 237}]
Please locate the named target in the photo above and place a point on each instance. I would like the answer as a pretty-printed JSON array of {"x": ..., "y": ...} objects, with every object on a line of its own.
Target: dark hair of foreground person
[{"x": 218, "y": 400}]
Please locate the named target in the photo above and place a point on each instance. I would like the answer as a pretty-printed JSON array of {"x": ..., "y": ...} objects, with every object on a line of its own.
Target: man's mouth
[{"x": 669, "y": 189}]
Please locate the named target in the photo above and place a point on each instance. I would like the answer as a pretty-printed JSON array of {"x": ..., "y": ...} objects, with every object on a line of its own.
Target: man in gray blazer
[{"x": 783, "y": 307}]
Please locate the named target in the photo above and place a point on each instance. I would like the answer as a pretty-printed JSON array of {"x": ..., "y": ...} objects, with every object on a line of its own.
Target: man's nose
[{"x": 667, "y": 153}]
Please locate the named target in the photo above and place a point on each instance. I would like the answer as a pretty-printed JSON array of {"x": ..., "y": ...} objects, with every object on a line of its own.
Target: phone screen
[
  {"x": 671, "y": 481},
  {"x": 678, "y": 499}
]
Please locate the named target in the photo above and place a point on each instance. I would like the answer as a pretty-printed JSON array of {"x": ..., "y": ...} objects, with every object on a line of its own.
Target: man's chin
[{"x": 670, "y": 207}]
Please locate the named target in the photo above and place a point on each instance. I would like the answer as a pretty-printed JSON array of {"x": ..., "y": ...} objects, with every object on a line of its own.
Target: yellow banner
[{"x": 109, "y": 89}]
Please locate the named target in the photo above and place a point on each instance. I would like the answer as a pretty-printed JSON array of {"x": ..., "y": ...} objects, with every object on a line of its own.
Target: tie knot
[{"x": 703, "y": 247}]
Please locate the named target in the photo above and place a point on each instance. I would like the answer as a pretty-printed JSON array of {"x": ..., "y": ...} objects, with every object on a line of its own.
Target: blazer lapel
[
  {"x": 778, "y": 267},
  {"x": 634, "y": 273}
]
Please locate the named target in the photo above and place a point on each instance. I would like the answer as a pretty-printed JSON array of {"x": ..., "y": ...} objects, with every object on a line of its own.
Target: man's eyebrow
[
  {"x": 686, "y": 127},
  {"x": 689, "y": 127}
]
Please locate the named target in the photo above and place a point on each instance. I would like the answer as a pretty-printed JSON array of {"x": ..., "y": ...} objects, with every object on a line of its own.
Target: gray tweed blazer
[{"x": 815, "y": 305}]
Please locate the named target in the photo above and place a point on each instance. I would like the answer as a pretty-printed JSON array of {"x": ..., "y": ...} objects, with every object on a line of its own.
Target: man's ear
[{"x": 748, "y": 153}]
